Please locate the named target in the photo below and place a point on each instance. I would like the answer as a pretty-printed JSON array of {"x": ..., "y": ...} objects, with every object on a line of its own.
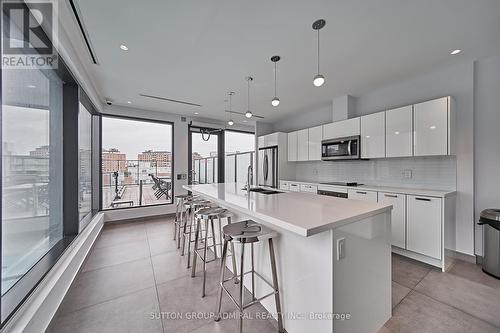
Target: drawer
[
  {"x": 308, "y": 188},
  {"x": 294, "y": 187},
  {"x": 359, "y": 194},
  {"x": 284, "y": 185}
]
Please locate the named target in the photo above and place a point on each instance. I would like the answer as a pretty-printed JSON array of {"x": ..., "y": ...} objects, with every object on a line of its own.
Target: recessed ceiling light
[
  {"x": 397, "y": 132},
  {"x": 432, "y": 127},
  {"x": 129, "y": 102},
  {"x": 367, "y": 136},
  {"x": 244, "y": 121},
  {"x": 30, "y": 86},
  {"x": 196, "y": 113},
  {"x": 457, "y": 51},
  {"x": 124, "y": 47}
]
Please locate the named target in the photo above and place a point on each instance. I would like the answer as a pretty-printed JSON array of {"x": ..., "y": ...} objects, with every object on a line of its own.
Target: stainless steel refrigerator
[{"x": 268, "y": 167}]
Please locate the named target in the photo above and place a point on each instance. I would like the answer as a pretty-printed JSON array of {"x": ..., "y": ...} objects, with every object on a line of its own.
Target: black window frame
[
  {"x": 148, "y": 120},
  {"x": 15, "y": 297}
]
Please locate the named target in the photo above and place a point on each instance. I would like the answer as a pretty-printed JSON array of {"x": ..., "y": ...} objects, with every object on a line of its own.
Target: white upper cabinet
[
  {"x": 315, "y": 137},
  {"x": 303, "y": 145},
  {"x": 340, "y": 129},
  {"x": 431, "y": 127},
  {"x": 268, "y": 140},
  {"x": 399, "y": 132},
  {"x": 373, "y": 135},
  {"x": 292, "y": 146}
]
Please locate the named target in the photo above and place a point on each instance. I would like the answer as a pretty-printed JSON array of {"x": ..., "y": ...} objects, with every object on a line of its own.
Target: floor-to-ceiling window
[
  {"x": 136, "y": 162},
  {"x": 84, "y": 162},
  {"x": 240, "y": 151},
  {"x": 32, "y": 220}
]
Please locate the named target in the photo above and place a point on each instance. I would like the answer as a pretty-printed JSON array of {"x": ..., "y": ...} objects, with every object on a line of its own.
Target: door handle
[
  {"x": 423, "y": 199},
  {"x": 359, "y": 192},
  {"x": 391, "y": 195},
  {"x": 349, "y": 148}
]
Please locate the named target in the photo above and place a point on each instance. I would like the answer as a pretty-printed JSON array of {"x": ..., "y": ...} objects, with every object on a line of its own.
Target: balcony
[{"x": 134, "y": 183}]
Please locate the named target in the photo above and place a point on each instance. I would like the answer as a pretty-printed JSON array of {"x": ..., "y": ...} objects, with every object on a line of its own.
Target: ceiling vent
[
  {"x": 76, "y": 12},
  {"x": 170, "y": 100}
]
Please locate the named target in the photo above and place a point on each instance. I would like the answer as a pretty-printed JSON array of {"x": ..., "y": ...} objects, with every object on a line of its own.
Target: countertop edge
[
  {"x": 287, "y": 226},
  {"x": 392, "y": 189}
]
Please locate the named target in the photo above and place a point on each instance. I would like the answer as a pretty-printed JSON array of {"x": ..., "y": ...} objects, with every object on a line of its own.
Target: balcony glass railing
[
  {"x": 133, "y": 183},
  {"x": 235, "y": 166}
]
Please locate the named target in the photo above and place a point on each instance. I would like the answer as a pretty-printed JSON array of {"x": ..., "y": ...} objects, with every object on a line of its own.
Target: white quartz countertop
[
  {"x": 391, "y": 189},
  {"x": 305, "y": 214}
]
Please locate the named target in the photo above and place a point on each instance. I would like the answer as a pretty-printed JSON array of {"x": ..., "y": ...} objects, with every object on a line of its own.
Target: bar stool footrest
[{"x": 257, "y": 300}]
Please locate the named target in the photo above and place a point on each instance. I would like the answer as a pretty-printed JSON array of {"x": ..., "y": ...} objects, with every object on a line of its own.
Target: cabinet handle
[
  {"x": 391, "y": 195},
  {"x": 423, "y": 199},
  {"x": 359, "y": 192}
]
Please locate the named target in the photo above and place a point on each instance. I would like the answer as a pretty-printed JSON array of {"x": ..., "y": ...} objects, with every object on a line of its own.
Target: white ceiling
[{"x": 196, "y": 51}]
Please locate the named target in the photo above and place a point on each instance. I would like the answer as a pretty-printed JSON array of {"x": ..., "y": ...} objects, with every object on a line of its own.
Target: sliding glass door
[{"x": 205, "y": 154}]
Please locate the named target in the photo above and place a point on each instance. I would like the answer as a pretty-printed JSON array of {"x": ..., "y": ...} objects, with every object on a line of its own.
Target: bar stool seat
[
  {"x": 248, "y": 232},
  {"x": 208, "y": 215}
]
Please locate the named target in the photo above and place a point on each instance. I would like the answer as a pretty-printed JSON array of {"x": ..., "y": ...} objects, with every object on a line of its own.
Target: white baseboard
[{"x": 37, "y": 311}]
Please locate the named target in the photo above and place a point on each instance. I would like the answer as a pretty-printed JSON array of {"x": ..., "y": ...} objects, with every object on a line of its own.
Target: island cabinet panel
[
  {"x": 292, "y": 146},
  {"x": 358, "y": 194},
  {"x": 398, "y": 220},
  {"x": 303, "y": 145},
  {"x": 339, "y": 129},
  {"x": 424, "y": 225},
  {"x": 308, "y": 188},
  {"x": 399, "y": 132},
  {"x": 315, "y": 137},
  {"x": 373, "y": 135},
  {"x": 430, "y": 121}
]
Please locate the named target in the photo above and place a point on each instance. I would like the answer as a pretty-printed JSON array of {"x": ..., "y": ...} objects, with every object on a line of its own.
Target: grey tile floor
[{"x": 134, "y": 280}]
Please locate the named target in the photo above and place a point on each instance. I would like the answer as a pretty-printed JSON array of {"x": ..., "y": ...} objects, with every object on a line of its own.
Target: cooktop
[{"x": 342, "y": 183}]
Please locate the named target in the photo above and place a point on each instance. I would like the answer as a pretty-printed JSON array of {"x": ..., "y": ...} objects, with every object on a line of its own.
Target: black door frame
[{"x": 220, "y": 133}]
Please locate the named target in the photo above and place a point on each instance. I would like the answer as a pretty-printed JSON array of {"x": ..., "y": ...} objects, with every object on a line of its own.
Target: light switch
[{"x": 340, "y": 248}]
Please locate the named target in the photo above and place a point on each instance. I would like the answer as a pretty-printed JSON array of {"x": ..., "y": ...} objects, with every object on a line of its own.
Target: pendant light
[
  {"x": 248, "y": 114},
  {"x": 275, "y": 101},
  {"x": 230, "y": 122},
  {"x": 318, "y": 79}
]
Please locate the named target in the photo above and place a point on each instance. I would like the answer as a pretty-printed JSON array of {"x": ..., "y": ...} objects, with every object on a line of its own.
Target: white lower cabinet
[
  {"x": 398, "y": 216},
  {"x": 362, "y": 195},
  {"x": 424, "y": 225},
  {"x": 294, "y": 187},
  {"x": 284, "y": 185},
  {"x": 308, "y": 188}
]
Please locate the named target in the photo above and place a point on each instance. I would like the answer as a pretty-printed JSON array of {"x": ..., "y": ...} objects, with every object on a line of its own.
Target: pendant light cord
[
  {"x": 275, "y": 79},
  {"x": 248, "y": 94},
  {"x": 318, "y": 51}
]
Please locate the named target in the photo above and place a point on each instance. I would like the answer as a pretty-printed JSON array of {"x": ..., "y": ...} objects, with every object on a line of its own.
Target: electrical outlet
[
  {"x": 407, "y": 173},
  {"x": 340, "y": 248}
]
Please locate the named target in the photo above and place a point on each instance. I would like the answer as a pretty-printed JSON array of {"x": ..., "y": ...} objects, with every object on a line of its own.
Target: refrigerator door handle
[{"x": 266, "y": 167}]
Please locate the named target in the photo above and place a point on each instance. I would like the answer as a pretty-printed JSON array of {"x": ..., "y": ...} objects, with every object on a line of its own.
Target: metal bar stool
[
  {"x": 248, "y": 232},
  {"x": 179, "y": 209},
  {"x": 208, "y": 215},
  {"x": 188, "y": 226}
]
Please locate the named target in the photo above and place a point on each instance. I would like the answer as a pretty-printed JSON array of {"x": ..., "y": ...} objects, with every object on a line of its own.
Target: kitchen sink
[{"x": 264, "y": 190}]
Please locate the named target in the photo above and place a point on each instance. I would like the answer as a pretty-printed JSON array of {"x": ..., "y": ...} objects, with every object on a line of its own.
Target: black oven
[{"x": 347, "y": 148}]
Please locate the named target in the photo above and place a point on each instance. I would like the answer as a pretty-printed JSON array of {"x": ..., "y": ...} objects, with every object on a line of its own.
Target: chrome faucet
[{"x": 249, "y": 178}]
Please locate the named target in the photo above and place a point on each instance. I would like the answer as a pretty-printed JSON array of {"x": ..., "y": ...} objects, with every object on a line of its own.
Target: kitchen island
[{"x": 333, "y": 256}]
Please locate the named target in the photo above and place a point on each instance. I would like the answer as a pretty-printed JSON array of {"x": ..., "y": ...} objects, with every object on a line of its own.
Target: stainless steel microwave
[{"x": 347, "y": 148}]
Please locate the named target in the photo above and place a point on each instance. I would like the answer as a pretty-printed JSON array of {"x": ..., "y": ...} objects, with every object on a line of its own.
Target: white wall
[
  {"x": 455, "y": 80},
  {"x": 486, "y": 139}
]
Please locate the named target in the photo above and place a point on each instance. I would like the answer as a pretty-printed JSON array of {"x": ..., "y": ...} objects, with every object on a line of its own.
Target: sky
[{"x": 132, "y": 137}]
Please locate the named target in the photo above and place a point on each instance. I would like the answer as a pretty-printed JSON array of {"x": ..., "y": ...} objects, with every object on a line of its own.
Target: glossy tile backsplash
[{"x": 433, "y": 172}]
